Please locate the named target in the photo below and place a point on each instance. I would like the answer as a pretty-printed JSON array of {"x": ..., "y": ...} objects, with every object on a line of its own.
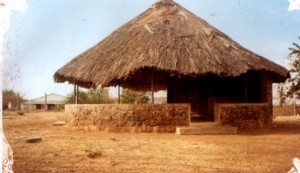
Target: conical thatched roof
[{"x": 166, "y": 40}]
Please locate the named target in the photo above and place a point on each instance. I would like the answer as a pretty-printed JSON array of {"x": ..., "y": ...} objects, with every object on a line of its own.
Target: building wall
[
  {"x": 129, "y": 117},
  {"x": 29, "y": 107},
  {"x": 266, "y": 88}
]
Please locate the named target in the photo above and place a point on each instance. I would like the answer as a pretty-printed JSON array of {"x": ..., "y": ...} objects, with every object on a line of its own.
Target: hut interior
[{"x": 205, "y": 91}]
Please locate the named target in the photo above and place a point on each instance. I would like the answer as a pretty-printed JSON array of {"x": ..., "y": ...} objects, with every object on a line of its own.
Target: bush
[
  {"x": 92, "y": 153},
  {"x": 20, "y": 113}
]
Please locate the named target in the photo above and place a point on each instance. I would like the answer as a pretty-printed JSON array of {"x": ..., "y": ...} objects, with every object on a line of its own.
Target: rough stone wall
[
  {"x": 244, "y": 116},
  {"x": 129, "y": 117},
  {"x": 212, "y": 101}
]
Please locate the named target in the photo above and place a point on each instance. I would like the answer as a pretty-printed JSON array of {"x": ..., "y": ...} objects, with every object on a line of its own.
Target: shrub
[
  {"x": 21, "y": 113},
  {"x": 92, "y": 153}
]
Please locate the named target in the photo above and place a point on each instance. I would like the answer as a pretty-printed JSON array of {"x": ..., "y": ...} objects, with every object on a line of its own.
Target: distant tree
[
  {"x": 12, "y": 97},
  {"x": 92, "y": 96},
  {"x": 294, "y": 89},
  {"x": 99, "y": 95},
  {"x": 82, "y": 97},
  {"x": 281, "y": 92},
  {"x": 129, "y": 96}
]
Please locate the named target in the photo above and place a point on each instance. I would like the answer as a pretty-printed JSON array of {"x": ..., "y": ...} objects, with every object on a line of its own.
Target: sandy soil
[{"x": 64, "y": 149}]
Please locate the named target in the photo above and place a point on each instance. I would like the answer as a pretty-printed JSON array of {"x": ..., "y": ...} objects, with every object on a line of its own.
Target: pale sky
[{"x": 51, "y": 33}]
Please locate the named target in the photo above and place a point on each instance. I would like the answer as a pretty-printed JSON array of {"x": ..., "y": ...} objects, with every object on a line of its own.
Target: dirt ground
[{"x": 64, "y": 149}]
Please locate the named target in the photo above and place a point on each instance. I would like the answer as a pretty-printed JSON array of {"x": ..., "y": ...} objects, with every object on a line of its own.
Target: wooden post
[
  {"x": 45, "y": 106},
  {"x": 75, "y": 99},
  {"x": 294, "y": 104},
  {"x": 170, "y": 90},
  {"x": 152, "y": 88},
  {"x": 119, "y": 97},
  {"x": 76, "y": 93}
]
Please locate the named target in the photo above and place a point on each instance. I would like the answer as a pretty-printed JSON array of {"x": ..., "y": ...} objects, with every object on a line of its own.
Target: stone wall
[
  {"x": 129, "y": 117},
  {"x": 244, "y": 116}
]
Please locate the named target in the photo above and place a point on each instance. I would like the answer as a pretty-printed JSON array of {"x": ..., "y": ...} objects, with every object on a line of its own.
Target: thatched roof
[{"x": 166, "y": 40}]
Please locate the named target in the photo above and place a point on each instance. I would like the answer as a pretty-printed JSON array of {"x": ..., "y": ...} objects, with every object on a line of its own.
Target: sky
[{"x": 50, "y": 33}]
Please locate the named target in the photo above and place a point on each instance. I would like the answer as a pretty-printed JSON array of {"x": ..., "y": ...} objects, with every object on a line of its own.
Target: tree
[
  {"x": 294, "y": 89},
  {"x": 12, "y": 97},
  {"x": 99, "y": 95},
  {"x": 92, "y": 96},
  {"x": 11, "y": 82},
  {"x": 129, "y": 96},
  {"x": 280, "y": 89}
]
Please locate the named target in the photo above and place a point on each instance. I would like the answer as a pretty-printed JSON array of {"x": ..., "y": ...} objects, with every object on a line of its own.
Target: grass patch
[{"x": 93, "y": 153}]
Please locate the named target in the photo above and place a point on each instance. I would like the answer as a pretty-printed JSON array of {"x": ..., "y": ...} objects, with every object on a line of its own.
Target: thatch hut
[{"x": 169, "y": 48}]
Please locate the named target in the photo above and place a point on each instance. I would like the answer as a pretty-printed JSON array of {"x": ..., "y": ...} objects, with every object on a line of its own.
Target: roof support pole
[
  {"x": 119, "y": 97},
  {"x": 75, "y": 98},
  {"x": 295, "y": 103},
  {"x": 152, "y": 88},
  {"x": 170, "y": 90},
  {"x": 76, "y": 93}
]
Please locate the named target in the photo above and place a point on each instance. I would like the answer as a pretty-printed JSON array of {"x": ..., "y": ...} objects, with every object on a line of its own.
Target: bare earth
[{"x": 64, "y": 149}]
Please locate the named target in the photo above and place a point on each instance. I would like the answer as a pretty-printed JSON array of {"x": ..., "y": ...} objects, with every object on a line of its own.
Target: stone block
[
  {"x": 207, "y": 129},
  {"x": 33, "y": 139},
  {"x": 59, "y": 123}
]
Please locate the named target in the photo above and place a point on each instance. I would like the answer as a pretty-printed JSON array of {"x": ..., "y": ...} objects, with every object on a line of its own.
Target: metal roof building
[{"x": 53, "y": 101}]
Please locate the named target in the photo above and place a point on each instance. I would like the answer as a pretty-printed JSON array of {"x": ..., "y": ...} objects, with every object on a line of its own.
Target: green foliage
[
  {"x": 294, "y": 89},
  {"x": 100, "y": 95},
  {"x": 92, "y": 96},
  {"x": 129, "y": 97}
]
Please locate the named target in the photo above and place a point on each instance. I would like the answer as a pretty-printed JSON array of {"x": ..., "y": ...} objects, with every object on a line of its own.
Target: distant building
[{"x": 51, "y": 101}]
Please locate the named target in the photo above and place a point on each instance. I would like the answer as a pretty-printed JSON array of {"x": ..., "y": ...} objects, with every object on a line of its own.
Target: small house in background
[{"x": 48, "y": 102}]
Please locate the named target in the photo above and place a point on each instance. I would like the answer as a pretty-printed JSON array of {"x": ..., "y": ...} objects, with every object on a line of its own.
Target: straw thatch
[{"x": 166, "y": 40}]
